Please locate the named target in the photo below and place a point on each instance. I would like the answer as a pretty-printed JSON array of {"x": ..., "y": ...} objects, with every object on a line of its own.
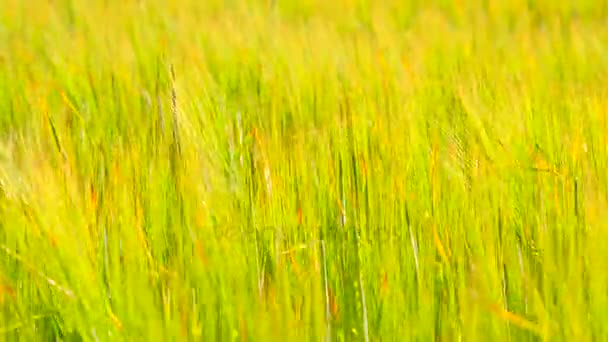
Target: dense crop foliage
[{"x": 303, "y": 170}]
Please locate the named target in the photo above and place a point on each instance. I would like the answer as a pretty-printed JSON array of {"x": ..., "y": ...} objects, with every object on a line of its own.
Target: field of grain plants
[{"x": 348, "y": 170}]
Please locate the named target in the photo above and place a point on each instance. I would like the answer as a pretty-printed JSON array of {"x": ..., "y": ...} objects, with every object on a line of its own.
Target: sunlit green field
[{"x": 311, "y": 170}]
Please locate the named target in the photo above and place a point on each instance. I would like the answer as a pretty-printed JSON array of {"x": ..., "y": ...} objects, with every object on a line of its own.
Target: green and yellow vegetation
[{"x": 303, "y": 170}]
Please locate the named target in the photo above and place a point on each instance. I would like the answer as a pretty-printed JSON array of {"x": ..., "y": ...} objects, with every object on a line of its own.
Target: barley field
[{"x": 310, "y": 170}]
